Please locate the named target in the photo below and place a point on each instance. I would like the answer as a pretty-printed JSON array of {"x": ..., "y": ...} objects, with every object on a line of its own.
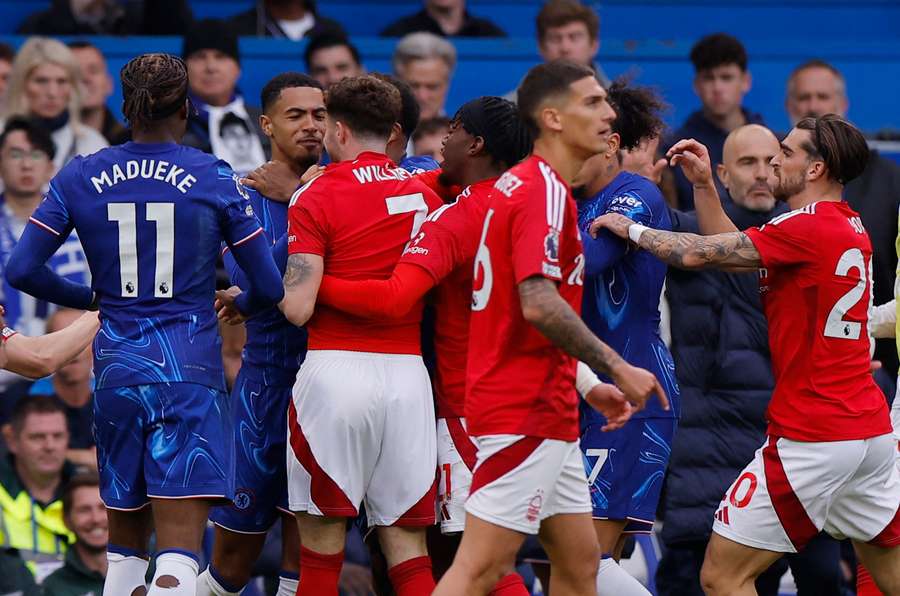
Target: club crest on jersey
[
  {"x": 551, "y": 245},
  {"x": 241, "y": 190}
]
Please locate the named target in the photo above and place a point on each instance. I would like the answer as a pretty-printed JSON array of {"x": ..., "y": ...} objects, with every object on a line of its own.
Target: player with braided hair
[
  {"x": 622, "y": 288},
  {"x": 151, "y": 215},
  {"x": 487, "y": 136}
]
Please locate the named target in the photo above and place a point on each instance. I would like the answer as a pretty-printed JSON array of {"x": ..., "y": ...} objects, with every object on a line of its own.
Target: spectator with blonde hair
[{"x": 45, "y": 85}]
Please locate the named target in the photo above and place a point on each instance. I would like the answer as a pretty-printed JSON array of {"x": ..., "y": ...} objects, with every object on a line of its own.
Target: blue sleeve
[
  {"x": 605, "y": 250},
  {"x": 602, "y": 252},
  {"x": 27, "y": 269},
  {"x": 248, "y": 245},
  {"x": 237, "y": 275}
]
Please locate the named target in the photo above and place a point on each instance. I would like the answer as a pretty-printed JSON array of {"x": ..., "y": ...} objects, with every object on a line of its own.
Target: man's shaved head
[{"x": 745, "y": 169}]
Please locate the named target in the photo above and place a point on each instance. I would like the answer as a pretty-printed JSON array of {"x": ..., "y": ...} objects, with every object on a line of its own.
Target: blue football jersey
[
  {"x": 622, "y": 286},
  {"x": 275, "y": 347},
  {"x": 151, "y": 219}
]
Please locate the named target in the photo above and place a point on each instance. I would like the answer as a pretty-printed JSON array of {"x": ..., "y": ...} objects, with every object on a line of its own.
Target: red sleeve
[
  {"x": 535, "y": 222},
  {"x": 431, "y": 179},
  {"x": 786, "y": 240},
  {"x": 307, "y": 223},
  {"x": 372, "y": 298},
  {"x": 439, "y": 247}
]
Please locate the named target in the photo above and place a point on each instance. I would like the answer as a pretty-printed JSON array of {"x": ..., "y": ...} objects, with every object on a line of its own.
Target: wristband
[
  {"x": 6, "y": 334},
  {"x": 585, "y": 379},
  {"x": 635, "y": 231}
]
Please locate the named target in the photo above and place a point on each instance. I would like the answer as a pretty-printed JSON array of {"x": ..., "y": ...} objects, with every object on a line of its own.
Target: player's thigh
[
  {"x": 189, "y": 448},
  {"x": 867, "y": 508},
  {"x": 883, "y": 564},
  {"x": 570, "y": 542},
  {"x": 119, "y": 429},
  {"x": 402, "y": 488},
  {"x": 457, "y": 454},
  {"x": 335, "y": 428},
  {"x": 487, "y": 548},
  {"x": 259, "y": 415}
]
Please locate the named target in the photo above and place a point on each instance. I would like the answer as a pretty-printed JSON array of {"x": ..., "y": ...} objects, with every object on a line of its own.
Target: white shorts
[
  {"x": 520, "y": 481},
  {"x": 457, "y": 454},
  {"x": 361, "y": 428},
  {"x": 793, "y": 490}
]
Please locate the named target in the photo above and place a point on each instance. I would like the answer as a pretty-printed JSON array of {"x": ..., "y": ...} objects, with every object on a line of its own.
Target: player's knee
[
  {"x": 581, "y": 569},
  {"x": 485, "y": 571},
  {"x": 715, "y": 579}
]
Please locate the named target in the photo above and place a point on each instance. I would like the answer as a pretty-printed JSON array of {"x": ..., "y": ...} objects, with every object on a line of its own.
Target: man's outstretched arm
[{"x": 733, "y": 251}]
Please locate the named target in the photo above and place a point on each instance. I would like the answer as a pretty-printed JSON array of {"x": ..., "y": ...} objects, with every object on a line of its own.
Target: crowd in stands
[{"x": 54, "y": 105}]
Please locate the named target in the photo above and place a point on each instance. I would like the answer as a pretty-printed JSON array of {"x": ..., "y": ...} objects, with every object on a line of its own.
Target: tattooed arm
[
  {"x": 543, "y": 307},
  {"x": 732, "y": 251},
  {"x": 302, "y": 277}
]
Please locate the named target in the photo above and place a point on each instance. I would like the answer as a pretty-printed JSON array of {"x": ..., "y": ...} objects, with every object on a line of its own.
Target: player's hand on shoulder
[
  {"x": 610, "y": 401},
  {"x": 693, "y": 157},
  {"x": 274, "y": 180},
  {"x": 226, "y": 309},
  {"x": 616, "y": 223},
  {"x": 638, "y": 385}
]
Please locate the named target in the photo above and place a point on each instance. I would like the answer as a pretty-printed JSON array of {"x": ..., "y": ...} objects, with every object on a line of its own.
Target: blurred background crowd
[{"x": 778, "y": 62}]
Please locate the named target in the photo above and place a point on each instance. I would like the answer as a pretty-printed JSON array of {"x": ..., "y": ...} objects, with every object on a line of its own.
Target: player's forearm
[
  {"x": 26, "y": 271},
  {"x": 711, "y": 218},
  {"x": 543, "y": 307},
  {"x": 37, "y": 357},
  {"x": 690, "y": 251},
  {"x": 373, "y": 298},
  {"x": 263, "y": 287}
]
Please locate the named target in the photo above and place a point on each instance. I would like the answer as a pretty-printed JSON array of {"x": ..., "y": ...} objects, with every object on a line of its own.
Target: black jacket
[
  {"x": 722, "y": 361},
  {"x": 259, "y": 23},
  {"x": 421, "y": 21}
]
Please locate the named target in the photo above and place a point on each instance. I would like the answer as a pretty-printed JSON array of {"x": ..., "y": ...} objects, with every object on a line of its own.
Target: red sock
[
  {"x": 510, "y": 585},
  {"x": 319, "y": 574},
  {"x": 412, "y": 577},
  {"x": 865, "y": 585}
]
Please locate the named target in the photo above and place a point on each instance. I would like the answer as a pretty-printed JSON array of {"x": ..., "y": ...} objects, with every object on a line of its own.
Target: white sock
[
  {"x": 176, "y": 575},
  {"x": 287, "y": 586},
  {"x": 207, "y": 585},
  {"x": 612, "y": 580},
  {"x": 125, "y": 574}
]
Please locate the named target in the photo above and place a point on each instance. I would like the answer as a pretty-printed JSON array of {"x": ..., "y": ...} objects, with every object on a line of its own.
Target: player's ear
[
  {"x": 815, "y": 170},
  {"x": 550, "y": 118},
  {"x": 10, "y": 437},
  {"x": 396, "y": 133},
  {"x": 477, "y": 146},
  {"x": 614, "y": 143},
  {"x": 265, "y": 123}
]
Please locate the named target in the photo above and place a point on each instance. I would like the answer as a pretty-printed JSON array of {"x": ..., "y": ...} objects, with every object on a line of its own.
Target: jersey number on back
[
  {"x": 835, "y": 325},
  {"x": 414, "y": 202},
  {"x": 125, "y": 215}
]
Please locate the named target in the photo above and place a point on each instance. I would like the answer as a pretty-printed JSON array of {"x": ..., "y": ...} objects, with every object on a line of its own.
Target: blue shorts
[
  {"x": 165, "y": 440},
  {"x": 260, "y": 481},
  {"x": 625, "y": 469}
]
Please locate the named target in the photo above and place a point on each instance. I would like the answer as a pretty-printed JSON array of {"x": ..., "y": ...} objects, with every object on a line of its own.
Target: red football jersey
[
  {"x": 359, "y": 215},
  {"x": 445, "y": 247},
  {"x": 517, "y": 381},
  {"x": 816, "y": 289}
]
